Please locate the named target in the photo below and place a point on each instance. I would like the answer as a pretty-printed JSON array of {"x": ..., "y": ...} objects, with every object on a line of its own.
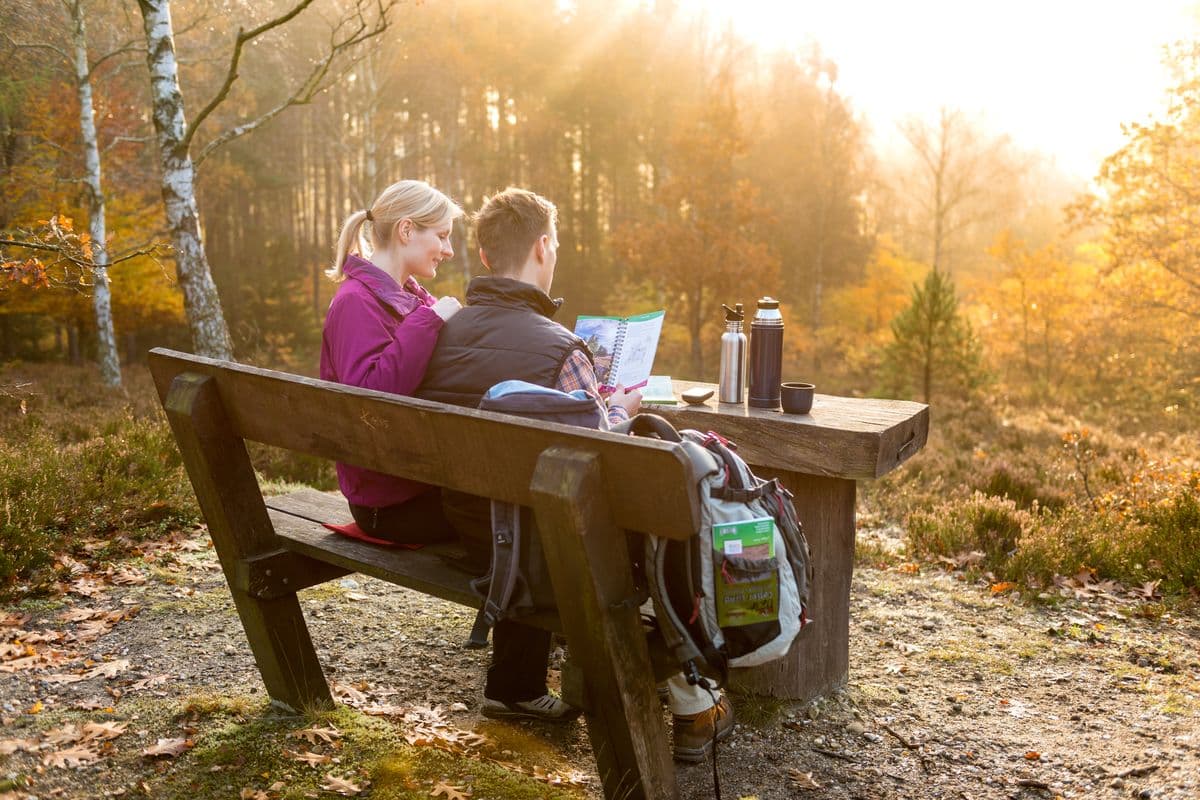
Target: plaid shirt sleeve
[{"x": 577, "y": 373}]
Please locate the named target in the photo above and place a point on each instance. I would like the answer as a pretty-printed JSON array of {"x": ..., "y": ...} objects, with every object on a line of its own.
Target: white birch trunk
[
  {"x": 210, "y": 335},
  {"x": 106, "y": 340}
]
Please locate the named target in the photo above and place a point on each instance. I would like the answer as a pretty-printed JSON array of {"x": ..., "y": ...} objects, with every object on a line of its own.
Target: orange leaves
[
  {"x": 29, "y": 272},
  {"x": 1002, "y": 587}
]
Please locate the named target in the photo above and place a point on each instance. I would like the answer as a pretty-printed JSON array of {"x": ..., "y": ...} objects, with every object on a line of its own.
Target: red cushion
[{"x": 354, "y": 532}]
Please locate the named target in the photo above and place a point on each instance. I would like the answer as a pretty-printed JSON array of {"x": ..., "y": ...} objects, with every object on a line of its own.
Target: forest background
[{"x": 1053, "y": 326}]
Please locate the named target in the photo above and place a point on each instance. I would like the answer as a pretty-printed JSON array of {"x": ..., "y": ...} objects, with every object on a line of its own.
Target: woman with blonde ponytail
[{"x": 379, "y": 333}]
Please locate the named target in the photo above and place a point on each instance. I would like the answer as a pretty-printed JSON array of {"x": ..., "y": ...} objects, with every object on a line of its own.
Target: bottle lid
[
  {"x": 734, "y": 314},
  {"x": 768, "y": 302}
]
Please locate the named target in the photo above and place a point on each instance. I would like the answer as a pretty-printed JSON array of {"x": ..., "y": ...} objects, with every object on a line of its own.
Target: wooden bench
[{"x": 586, "y": 487}]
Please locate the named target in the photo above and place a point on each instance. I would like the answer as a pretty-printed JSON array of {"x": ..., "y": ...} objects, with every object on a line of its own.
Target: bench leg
[
  {"x": 228, "y": 493},
  {"x": 820, "y": 657},
  {"x": 589, "y": 567}
]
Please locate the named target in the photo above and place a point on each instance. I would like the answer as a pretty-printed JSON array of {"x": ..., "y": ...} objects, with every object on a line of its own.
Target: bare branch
[
  {"x": 37, "y": 46},
  {"x": 231, "y": 75},
  {"x": 131, "y": 46},
  {"x": 120, "y": 139},
  {"x": 316, "y": 81}
]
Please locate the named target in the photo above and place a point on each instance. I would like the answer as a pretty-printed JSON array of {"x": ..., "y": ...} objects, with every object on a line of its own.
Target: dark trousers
[
  {"x": 416, "y": 521},
  {"x": 520, "y": 653}
]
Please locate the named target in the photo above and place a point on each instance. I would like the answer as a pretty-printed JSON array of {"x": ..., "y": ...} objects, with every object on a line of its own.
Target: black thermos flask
[{"x": 766, "y": 354}]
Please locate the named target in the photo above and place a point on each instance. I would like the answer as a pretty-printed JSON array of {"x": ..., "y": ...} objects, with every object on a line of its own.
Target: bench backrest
[{"x": 647, "y": 482}]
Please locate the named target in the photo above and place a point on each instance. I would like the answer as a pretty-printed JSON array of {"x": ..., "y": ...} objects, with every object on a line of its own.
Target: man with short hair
[{"x": 506, "y": 331}]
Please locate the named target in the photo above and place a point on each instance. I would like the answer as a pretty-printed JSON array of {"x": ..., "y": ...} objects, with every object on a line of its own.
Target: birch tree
[
  {"x": 106, "y": 341},
  {"x": 366, "y": 19}
]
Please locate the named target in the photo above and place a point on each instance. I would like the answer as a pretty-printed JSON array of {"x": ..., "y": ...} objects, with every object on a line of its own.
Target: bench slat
[
  {"x": 646, "y": 482},
  {"x": 424, "y": 570}
]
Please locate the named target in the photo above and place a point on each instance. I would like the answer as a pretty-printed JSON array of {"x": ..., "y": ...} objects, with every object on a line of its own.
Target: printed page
[
  {"x": 659, "y": 391},
  {"x": 600, "y": 334},
  {"x": 637, "y": 352}
]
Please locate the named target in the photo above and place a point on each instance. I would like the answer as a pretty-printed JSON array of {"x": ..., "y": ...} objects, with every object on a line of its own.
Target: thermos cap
[
  {"x": 734, "y": 314},
  {"x": 768, "y": 302}
]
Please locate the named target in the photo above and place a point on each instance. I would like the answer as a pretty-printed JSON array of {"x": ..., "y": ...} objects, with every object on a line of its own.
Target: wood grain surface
[{"x": 842, "y": 437}]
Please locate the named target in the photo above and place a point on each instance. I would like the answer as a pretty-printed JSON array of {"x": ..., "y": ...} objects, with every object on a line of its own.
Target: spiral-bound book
[{"x": 622, "y": 347}]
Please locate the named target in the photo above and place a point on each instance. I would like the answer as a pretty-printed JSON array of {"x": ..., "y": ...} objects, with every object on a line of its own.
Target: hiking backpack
[
  {"x": 518, "y": 581},
  {"x": 736, "y": 594}
]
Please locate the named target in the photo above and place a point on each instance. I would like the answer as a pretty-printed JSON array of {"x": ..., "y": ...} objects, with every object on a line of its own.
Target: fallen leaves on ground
[
  {"x": 73, "y": 757},
  {"x": 253, "y": 794},
  {"x": 108, "y": 669},
  {"x": 312, "y": 759},
  {"x": 318, "y": 735},
  {"x": 344, "y": 786},
  {"x": 167, "y": 747},
  {"x": 427, "y": 726},
  {"x": 802, "y": 780},
  {"x": 450, "y": 792}
]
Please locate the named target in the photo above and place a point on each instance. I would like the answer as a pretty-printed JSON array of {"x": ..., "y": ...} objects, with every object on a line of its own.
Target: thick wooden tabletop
[{"x": 842, "y": 437}]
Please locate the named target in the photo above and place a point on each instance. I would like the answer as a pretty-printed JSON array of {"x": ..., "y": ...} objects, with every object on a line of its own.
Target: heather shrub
[
  {"x": 81, "y": 463},
  {"x": 1041, "y": 495},
  {"x": 981, "y": 523},
  {"x": 1027, "y": 486},
  {"x": 127, "y": 479}
]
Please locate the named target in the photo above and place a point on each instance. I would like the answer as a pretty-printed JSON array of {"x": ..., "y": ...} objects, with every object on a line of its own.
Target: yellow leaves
[{"x": 36, "y": 708}]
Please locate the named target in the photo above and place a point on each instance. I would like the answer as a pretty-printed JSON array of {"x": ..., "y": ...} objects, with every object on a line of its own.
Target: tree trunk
[
  {"x": 106, "y": 340},
  {"x": 210, "y": 335},
  {"x": 73, "y": 349}
]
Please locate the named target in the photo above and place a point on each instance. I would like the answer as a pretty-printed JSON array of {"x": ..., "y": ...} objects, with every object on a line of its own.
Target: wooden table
[{"x": 818, "y": 456}]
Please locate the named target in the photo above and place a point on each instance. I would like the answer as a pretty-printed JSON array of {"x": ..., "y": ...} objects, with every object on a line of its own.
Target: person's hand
[
  {"x": 630, "y": 400},
  {"x": 446, "y": 307}
]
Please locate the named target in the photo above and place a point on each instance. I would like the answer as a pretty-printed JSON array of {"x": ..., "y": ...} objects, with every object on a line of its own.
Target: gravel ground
[{"x": 954, "y": 691}]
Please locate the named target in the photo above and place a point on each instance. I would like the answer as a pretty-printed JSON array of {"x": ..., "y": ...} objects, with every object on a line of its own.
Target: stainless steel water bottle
[
  {"x": 766, "y": 354},
  {"x": 733, "y": 357}
]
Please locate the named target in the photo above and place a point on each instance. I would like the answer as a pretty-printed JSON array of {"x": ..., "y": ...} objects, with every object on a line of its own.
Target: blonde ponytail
[
  {"x": 414, "y": 200},
  {"x": 349, "y": 241}
]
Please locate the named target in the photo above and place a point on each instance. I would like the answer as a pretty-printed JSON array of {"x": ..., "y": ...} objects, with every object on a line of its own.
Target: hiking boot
[
  {"x": 694, "y": 732},
  {"x": 546, "y": 708}
]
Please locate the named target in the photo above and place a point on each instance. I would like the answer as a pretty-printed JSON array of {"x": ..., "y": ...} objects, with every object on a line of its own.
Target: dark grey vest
[{"x": 505, "y": 332}]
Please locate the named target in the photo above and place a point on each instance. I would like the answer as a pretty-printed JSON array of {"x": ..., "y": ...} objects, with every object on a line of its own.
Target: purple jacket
[{"x": 378, "y": 335}]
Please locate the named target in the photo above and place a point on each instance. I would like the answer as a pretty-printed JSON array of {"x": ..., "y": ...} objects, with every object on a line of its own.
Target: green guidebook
[
  {"x": 745, "y": 595},
  {"x": 622, "y": 347}
]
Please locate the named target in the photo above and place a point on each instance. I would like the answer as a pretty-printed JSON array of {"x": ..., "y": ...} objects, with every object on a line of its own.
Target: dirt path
[{"x": 954, "y": 693}]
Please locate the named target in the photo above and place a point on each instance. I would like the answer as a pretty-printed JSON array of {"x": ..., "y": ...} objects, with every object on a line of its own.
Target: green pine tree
[{"x": 933, "y": 345}]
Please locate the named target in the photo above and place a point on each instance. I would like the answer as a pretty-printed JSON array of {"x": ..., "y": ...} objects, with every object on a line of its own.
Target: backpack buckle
[{"x": 713, "y": 436}]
